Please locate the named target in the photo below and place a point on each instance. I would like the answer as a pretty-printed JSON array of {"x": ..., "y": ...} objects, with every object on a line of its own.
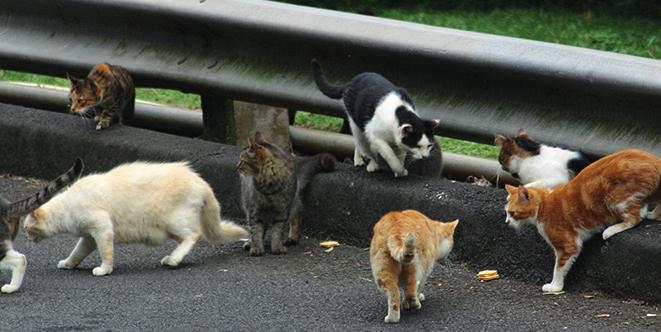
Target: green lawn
[{"x": 630, "y": 35}]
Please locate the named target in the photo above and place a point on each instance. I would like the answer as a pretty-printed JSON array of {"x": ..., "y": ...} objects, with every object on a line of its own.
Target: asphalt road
[{"x": 220, "y": 288}]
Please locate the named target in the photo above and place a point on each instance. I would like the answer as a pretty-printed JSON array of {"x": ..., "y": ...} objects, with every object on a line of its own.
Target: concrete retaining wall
[{"x": 343, "y": 205}]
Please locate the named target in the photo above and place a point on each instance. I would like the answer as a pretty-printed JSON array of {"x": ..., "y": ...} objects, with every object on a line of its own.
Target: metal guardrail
[{"x": 259, "y": 51}]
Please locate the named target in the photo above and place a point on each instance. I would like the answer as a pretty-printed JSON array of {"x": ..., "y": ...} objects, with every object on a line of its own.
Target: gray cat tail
[
  {"x": 311, "y": 166},
  {"x": 26, "y": 205},
  {"x": 330, "y": 90}
]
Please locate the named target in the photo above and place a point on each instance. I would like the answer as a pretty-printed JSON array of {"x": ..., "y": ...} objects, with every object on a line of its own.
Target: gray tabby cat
[
  {"x": 10, "y": 214},
  {"x": 271, "y": 187}
]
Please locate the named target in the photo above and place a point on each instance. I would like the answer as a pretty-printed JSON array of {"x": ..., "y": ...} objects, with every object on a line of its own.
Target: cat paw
[
  {"x": 609, "y": 232},
  {"x": 8, "y": 289},
  {"x": 421, "y": 297},
  {"x": 358, "y": 162},
  {"x": 102, "y": 125},
  {"x": 279, "y": 250},
  {"x": 391, "y": 319},
  {"x": 169, "y": 261},
  {"x": 551, "y": 288},
  {"x": 372, "y": 166},
  {"x": 291, "y": 242},
  {"x": 65, "y": 264},
  {"x": 256, "y": 251},
  {"x": 403, "y": 173},
  {"x": 411, "y": 304},
  {"x": 101, "y": 270}
]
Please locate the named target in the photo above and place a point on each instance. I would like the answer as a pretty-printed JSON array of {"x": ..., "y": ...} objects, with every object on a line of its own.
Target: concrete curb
[{"x": 343, "y": 205}]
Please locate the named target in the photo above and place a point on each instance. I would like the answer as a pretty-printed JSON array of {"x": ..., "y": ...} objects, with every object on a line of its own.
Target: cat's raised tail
[
  {"x": 213, "y": 228},
  {"x": 402, "y": 250},
  {"x": 330, "y": 90},
  {"x": 36, "y": 200}
]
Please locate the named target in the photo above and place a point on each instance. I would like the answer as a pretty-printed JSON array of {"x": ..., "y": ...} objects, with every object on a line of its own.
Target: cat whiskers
[{"x": 85, "y": 116}]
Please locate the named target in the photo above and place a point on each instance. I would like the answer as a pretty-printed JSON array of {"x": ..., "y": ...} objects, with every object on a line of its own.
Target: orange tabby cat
[
  {"x": 403, "y": 251},
  {"x": 609, "y": 190}
]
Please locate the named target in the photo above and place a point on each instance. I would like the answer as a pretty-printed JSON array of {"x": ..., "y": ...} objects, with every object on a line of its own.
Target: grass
[{"x": 629, "y": 35}]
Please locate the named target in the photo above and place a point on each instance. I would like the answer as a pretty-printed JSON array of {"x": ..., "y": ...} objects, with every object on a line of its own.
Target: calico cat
[
  {"x": 383, "y": 120},
  {"x": 609, "y": 194},
  {"x": 538, "y": 165},
  {"x": 404, "y": 248},
  {"x": 107, "y": 91},
  {"x": 133, "y": 203},
  {"x": 10, "y": 214},
  {"x": 271, "y": 187}
]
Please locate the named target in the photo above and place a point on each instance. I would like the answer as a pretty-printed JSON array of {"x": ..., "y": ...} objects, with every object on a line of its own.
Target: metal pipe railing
[{"x": 189, "y": 123}]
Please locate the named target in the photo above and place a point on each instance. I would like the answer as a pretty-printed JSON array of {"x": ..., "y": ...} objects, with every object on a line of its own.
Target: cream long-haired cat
[
  {"x": 608, "y": 195},
  {"x": 137, "y": 202},
  {"x": 403, "y": 251}
]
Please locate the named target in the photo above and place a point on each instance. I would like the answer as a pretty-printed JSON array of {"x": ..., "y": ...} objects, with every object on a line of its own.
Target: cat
[
  {"x": 538, "y": 165},
  {"x": 107, "y": 91},
  {"x": 404, "y": 248},
  {"x": 10, "y": 214},
  {"x": 613, "y": 188},
  {"x": 272, "y": 184},
  {"x": 383, "y": 120},
  {"x": 133, "y": 203}
]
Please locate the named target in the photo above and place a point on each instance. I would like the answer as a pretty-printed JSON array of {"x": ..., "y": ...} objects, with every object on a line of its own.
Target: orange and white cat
[
  {"x": 403, "y": 251},
  {"x": 614, "y": 188}
]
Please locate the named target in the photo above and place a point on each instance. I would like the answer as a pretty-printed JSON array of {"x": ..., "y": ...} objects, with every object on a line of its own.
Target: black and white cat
[
  {"x": 383, "y": 120},
  {"x": 10, "y": 214},
  {"x": 538, "y": 165}
]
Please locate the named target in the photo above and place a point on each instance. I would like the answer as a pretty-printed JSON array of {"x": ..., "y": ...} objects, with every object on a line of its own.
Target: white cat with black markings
[
  {"x": 383, "y": 120},
  {"x": 133, "y": 203},
  {"x": 538, "y": 165}
]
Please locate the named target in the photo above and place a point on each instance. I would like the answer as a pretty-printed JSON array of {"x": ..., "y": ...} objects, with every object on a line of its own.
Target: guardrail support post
[
  {"x": 272, "y": 122},
  {"x": 218, "y": 119}
]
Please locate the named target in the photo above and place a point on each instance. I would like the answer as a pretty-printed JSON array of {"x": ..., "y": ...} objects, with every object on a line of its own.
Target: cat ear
[
  {"x": 524, "y": 194},
  {"x": 452, "y": 225},
  {"x": 405, "y": 129},
  {"x": 33, "y": 217},
  {"x": 521, "y": 133},
  {"x": 433, "y": 124},
  {"x": 510, "y": 189},
  {"x": 499, "y": 140},
  {"x": 259, "y": 139},
  {"x": 95, "y": 87}
]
